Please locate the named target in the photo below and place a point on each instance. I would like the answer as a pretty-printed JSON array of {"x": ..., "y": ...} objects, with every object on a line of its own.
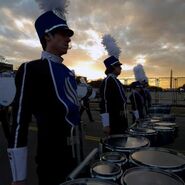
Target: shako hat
[
  {"x": 111, "y": 61},
  {"x": 52, "y": 18},
  {"x": 113, "y": 51}
]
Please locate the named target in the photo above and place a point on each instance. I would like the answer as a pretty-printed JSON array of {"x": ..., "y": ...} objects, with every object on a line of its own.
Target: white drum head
[
  {"x": 81, "y": 90},
  {"x": 7, "y": 88},
  {"x": 93, "y": 95}
]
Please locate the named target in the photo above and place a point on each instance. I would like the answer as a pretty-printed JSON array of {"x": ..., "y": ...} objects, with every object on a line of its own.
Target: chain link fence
[{"x": 170, "y": 90}]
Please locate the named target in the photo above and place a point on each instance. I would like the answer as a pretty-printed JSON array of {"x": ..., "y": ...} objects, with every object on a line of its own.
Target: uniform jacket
[
  {"x": 46, "y": 88},
  {"x": 113, "y": 101},
  {"x": 137, "y": 103}
]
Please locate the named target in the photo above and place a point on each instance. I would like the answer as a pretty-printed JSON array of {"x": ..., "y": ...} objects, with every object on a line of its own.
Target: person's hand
[
  {"x": 106, "y": 130},
  {"x": 19, "y": 183}
]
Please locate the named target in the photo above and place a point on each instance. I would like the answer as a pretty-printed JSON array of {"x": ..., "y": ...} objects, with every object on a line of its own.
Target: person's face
[
  {"x": 59, "y": 43},
  {"x": 117, "y": 70}
]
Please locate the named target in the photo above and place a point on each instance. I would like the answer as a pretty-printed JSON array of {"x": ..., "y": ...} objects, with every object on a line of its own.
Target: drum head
[
  {"x": 81, "y": 90},
  {"x": 105, "y": 169},
  {"x": 88, "y": 181},
  {"x": 148, "y": 176},
  {"x": 125, "y": 142},
  {"x": 113, "y": 157},
  {"x": 142, "y": 131},
  {"x": 93, "y": 95},
  {"x": 158, "y": 157},
  {"x": 7, "y": 88},
  {"x": 163, "y": 128},
  {"x": 166, "y": 124}
]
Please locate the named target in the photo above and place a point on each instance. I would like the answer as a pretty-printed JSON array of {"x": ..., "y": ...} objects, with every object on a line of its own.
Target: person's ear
[{"x": 48, "y": 37}]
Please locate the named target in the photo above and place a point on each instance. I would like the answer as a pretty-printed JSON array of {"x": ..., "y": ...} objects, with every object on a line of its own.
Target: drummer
[
  {"x": 46, "y": 88},
  {"x": 147, "y": 96},
  {"x": 137, "y": 101},
  {"x": 113, "y": 99}
]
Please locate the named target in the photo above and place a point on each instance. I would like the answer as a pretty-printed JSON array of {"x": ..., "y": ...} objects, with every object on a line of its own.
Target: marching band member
[
  {"x": 113, "y": 98},
  {"x": 84, "y": 101},
  {"x": 147, "y": 95},
  {"x": 46, "y": 88},
  {"x": 141, "y": 77},
  {"x": 137, "y": 101}
]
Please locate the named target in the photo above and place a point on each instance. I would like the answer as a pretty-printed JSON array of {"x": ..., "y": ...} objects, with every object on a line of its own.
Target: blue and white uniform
[{"x": 46, "y": 88}]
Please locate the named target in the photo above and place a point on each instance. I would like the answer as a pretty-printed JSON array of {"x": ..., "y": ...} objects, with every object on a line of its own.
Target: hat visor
[
  {"x": 68, "y": 32},
  {"x": 117, "y": 64}
]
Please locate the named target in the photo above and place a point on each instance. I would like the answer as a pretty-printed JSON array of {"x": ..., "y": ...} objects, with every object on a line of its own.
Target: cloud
[{"x": 150, "y": 28}]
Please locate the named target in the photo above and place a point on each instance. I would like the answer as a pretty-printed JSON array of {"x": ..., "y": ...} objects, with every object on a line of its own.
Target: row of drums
[
  {"x": 128, "y": 160},
  {"x": 158, "y": 132}
]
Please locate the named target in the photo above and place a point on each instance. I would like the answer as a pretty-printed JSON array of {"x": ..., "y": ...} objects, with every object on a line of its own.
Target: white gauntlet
[
  {"x": 18, "y": 163},
  {"x": 136, "y": 114},
  {"x": 105, "y": 119}
]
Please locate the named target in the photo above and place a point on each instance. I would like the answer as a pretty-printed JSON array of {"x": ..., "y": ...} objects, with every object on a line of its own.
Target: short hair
[{"x": 43, "y": 43}]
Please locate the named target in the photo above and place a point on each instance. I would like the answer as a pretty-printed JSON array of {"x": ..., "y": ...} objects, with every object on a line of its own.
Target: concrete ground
[{"x": 93, "y": 132}]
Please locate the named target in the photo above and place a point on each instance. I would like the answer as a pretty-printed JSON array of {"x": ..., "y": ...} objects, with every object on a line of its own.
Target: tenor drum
[
  {"x": 151, "y": 134},
  {"x": 168, "y": 124},
  {"x": 164, "y": 117},
  {"x": 106, "y": 171},
  {"x": 88, "y": 181},
  {"x": 149, "y": 176},
  {"x": 116, "y": 158},
  {"x": 160, "y": 158},
  {"x": 124, "y": 143},
  {"x": 81, "y": 90},
  {"x": 166, "y": 135},
  {"x": 169, "y": 117},
  {"x": 160, "y": 109}
]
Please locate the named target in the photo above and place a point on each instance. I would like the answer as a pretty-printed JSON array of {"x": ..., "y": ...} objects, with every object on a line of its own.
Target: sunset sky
[{"x": 150, "y": 32}]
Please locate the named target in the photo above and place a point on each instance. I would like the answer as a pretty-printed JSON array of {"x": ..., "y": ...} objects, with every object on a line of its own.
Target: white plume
[
  {"x": 47, "y": 5},
  {"x": 140, "y": 73},
  {"x": 111, "y": 46}
]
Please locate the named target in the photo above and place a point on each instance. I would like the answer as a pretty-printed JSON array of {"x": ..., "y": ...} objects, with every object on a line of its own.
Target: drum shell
[
  {"x": 99, "y": 170},
  {"x": 146, "y": 172},
  {"x": 152, "y": 136},
  {"x": 104, "y": 147},
  {"x": 169, "y": 118},
  {"x": 89, "y": 181},
  {"x": 179, "y": 171},
  {"x": 166, "y": 135}
]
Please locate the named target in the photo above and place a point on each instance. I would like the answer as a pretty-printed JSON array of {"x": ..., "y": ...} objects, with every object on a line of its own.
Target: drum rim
[
  {"x": 108, "y": 146},
  {"x": 105, "y": 175},
  {"x": 122, "y": 161},
  {"x": 104, "y": 182},
  {"x": 160, "y": 149},
  {"x": 169, "y": 129},
  {"x": 142, "y": 133},
  {"x": 157, "y": 170},
  {"x": 170, "y": 124}
]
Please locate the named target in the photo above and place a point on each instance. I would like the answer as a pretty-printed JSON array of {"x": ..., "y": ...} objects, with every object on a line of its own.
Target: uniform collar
[
  {"x": 112, "y": 75},
  {"x": 51, "y": 57}
]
